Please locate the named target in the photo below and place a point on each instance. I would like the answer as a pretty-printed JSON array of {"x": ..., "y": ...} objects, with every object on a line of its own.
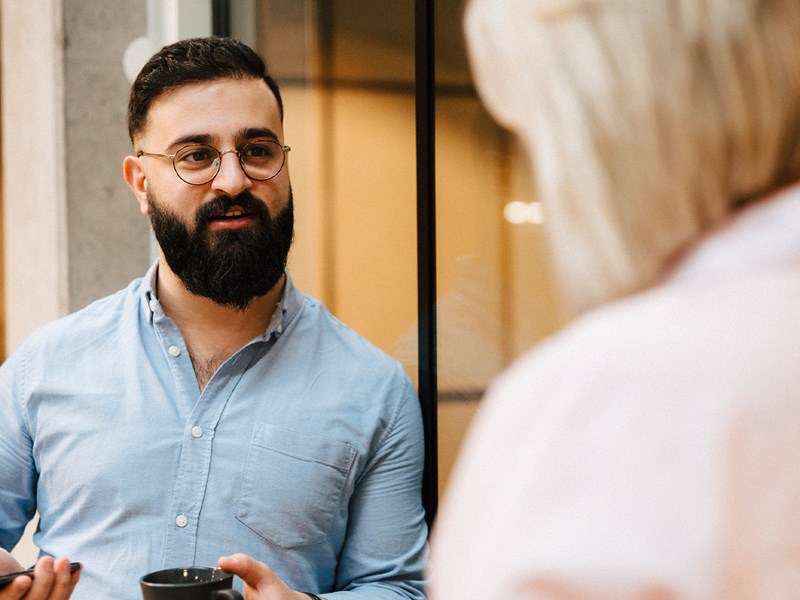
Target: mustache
[{"x": 221, "y": 204}]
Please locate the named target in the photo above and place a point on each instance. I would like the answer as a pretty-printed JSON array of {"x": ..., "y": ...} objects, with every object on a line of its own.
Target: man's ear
[{"x": 136, "y": 179}]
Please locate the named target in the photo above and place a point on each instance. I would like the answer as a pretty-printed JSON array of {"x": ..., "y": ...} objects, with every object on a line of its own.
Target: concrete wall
[
  {"x": 107, "y": 237},
  {"x": 72, "y": 230},
  {"x": 33, "y": 146}
]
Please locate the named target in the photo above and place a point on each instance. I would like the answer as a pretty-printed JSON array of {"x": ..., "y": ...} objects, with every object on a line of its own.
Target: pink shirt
[{"x": 652, "y": 448}]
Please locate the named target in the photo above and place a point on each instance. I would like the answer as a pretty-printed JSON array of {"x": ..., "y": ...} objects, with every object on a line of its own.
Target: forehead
[{"x": 218, "y": 110}]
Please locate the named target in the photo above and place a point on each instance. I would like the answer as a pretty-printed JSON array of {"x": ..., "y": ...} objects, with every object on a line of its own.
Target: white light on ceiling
[{"x": 517, "y": 212}]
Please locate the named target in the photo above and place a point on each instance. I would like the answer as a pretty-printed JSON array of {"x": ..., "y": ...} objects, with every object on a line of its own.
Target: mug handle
[{"x": 226, "y": 595}]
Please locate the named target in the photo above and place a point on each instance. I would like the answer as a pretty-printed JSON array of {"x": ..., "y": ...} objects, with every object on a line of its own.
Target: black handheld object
[{"x": 9, "y": 577}]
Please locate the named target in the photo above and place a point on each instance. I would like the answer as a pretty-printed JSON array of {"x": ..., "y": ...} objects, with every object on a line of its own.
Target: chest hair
[{"x": 206, "y": 366}]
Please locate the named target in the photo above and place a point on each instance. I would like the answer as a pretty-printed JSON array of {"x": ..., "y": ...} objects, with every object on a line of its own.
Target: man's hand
[
  {"x": 260, "y": 581},
  {"x": 51, "y": 579}
]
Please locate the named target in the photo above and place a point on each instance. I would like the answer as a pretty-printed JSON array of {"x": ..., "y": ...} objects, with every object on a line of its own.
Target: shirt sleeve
[
  {"x": 18, "y": 475},
  {"x": 386, "y": 543}
]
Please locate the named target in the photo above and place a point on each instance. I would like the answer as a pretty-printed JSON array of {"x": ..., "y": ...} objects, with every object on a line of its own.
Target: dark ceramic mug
[{"x": 189, "y": 583}]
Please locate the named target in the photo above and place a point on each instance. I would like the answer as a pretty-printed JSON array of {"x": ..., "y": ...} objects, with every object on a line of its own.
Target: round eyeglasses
[{"x": 197, "y": 164}]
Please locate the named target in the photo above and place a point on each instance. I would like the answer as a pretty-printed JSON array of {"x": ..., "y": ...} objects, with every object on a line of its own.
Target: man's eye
[
  {"x": 259, "y": 151},
  {"x": 197, "y": 155}
]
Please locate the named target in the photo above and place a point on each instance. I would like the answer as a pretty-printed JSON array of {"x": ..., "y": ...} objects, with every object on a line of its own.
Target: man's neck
[{"x": 213, "y": 332}]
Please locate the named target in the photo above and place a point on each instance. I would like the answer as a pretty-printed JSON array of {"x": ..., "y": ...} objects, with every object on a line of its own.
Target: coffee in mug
[{"x": 189, "y": 583}]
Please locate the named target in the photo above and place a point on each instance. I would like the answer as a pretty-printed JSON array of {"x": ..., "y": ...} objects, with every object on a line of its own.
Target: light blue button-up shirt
[{"x": 304, "y": 450}]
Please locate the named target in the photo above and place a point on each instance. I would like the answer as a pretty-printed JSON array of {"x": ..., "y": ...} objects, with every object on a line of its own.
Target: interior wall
[{"x": 374, "y": 229}]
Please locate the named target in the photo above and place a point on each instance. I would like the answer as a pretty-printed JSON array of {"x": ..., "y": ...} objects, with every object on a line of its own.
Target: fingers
[
  {"x": 261, "y": 582},
  {"x": 8, "y": 564},
  {"x": 20, "y": 586},
  {"x": 16, "y": 589},
  {"x": 63, "y": 581},
  {"x": 253, "y": 572},
  {"x": 43, "y": 579},
  {"x": 52, "y": 580}
]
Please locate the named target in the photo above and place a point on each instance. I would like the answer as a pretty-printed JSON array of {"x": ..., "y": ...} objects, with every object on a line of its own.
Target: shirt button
[
  {"x": 181, "y": 521},
  {"x": 174, "y": 351},
  {"x": 197, "y": 431},
  {"x": 153, "y": 305}
]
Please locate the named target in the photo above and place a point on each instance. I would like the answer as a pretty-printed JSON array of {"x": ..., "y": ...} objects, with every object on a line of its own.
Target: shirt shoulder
[
  {"x": 114, "y": 315},
  {"x": 344, "y": 345},
  {"x": 664, "y": 424},
  {"x": 674, "y": 339}
]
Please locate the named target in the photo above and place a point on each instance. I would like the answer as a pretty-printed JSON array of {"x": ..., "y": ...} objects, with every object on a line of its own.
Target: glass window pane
[{"x": 496, "y": 296}]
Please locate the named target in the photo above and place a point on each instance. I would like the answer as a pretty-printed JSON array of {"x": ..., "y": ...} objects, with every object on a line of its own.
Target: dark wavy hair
[{"x": 193, "y": 61}]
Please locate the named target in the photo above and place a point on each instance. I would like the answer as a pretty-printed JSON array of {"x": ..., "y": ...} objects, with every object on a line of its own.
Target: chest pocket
[{"x": 293, "y": 485}]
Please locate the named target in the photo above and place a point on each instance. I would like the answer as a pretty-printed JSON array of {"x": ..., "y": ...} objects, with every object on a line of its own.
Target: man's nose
[{"x": 231, "y": 178}]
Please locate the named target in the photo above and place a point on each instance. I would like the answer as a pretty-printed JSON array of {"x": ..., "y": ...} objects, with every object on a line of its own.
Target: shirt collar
[
  {"x": 288, "y": 307},
  {"x": 762, "y": 236}
]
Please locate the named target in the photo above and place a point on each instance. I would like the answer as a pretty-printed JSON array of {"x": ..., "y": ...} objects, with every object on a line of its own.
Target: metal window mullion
[{"x": 426, "y": 244}]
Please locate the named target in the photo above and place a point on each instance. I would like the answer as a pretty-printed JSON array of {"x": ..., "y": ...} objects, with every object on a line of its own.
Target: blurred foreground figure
[{"x": 650, "y": 449}]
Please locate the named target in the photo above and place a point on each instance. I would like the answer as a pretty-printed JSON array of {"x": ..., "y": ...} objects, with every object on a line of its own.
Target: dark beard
[{"x": 232, "y": 268}]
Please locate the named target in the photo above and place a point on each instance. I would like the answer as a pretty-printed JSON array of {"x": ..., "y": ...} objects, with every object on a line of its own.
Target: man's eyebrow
[
  {"x": 257, "y": 132},
  {"x": 243, "y": 135},
  {"x": 191, "y": 138}
]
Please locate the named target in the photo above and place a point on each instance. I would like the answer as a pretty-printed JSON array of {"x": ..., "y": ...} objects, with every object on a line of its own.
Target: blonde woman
[{"x": 650, "y": 449}]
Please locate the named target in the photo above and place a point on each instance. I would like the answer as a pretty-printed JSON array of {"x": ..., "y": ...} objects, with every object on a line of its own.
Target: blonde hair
[{"x": 647, "y": 121}]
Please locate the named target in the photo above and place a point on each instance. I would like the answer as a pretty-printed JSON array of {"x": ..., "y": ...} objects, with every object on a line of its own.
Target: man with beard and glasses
[{"x": 210, "y": 413}]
